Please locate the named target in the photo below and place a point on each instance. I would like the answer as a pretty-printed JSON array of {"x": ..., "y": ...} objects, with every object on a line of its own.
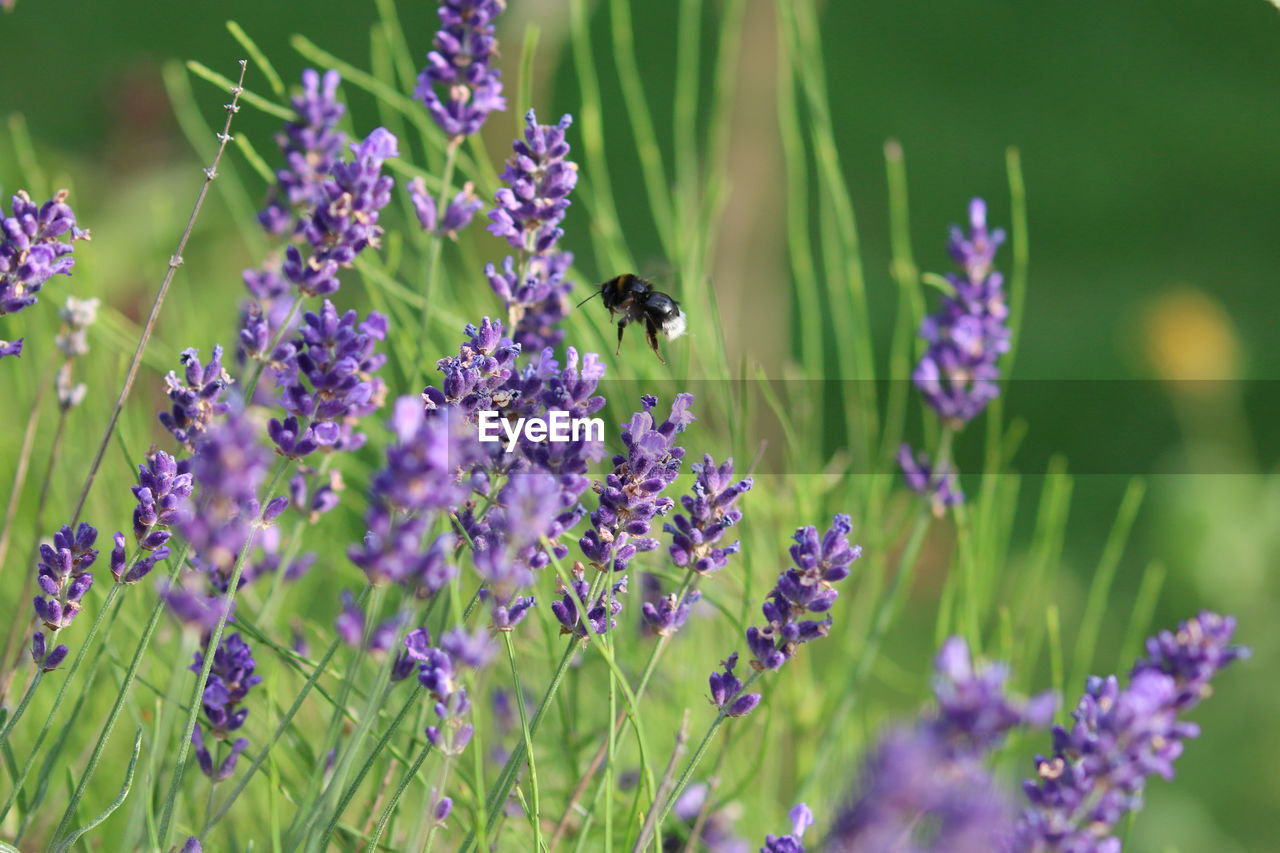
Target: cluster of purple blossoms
[
  {"x": 198, "y": 400},
  {"x": 712, "y": 509},
  {"x": 726, "y": 691},
  {"x": 461, "y": 67},
  {"x": 669, "y": 613},
  {"x": 804, "y": 589},
  {"x": 631, "y": 494},
  {"x": 31, "y": 252},
  {"x": 601, "y": 614},
  {"x": 422, "y": 478},
  {"x": 939, "y": 484},
  {"x": 1121, "y": 736},
  {"x": 230, "y": 679},
  {"x": 312, "y": 145},
  {"x": 801, "y": 819},
  {"x": 325, "y": 377},
  {"x": 458, "y": 213},
  {"x": 345, "y": 219},
  {"x": 957, "y": 374},
  {"x": 478, "y": 377},
  {"x": 528, "y": 215},
  {"x": 923, "y": 787},
  {"x": 63, "y": 578},
  {"x": 163, "y": 487},
  {"x": 438, "y": 672},
  {"x": 229, "y": 466}
]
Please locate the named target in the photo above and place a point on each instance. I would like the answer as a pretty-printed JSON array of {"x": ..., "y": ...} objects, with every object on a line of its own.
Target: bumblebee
[{"x": 635, "y": 301}]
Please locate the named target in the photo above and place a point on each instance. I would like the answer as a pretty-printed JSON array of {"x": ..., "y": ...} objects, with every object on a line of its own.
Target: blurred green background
[{"x": 1150, "y": 138}]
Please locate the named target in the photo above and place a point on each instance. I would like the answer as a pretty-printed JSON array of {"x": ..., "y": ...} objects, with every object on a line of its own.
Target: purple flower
[
  {"x": 726, "y": 691},
  {"x": 11, "y": 347},
  {"x": 438, "y": 673},
  {"x": 939, "y": 486},
  {"x": 222, "y": 772},
  {"x": 262, "y": 319},
  {"x": 957, "y": 374},
  {"x": 528, "y": 214},
  {"x": 422, "y": 478},
  {"x": 228, "y": 467},
  {"x": 460, "y": 67},
  {"x": 801, "y": 819},
  {"x": 473, "y": 649},
  {"x": 914, "y": 796},
  {"x": 973, "y": 711},
  {"x": 325, "y": 377},
  {"x": 805, "y": 589},
  {"x": 712, "y": 509},
  {"x": 192, "y": 845},
  {"x": 477, "y": 377},
  {"x": 125, "y": 573},
  {"x": 194, "y": 608},
  {"x": 196, "y": 401},
  {"x": 631, "y": 494},
  {"x": 1119, "y": 737},
  {"x": 457, "y": 214},
  {"x": 345, "y": 220},
  {"x": 312, "y": 145},
  {"x": 30, "y": 251},
  {"x": 668, "y": 615},
  {"x": 230, "y": 679},
  {"x": 601, "y": 614},
  {"x": 63, "y": 578},
  {"x": 160, "y": 493}
]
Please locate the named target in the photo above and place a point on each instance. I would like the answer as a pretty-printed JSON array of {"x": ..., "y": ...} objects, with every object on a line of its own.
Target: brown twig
[
  {"x": 664, "y": 787},
  {"x": 175, "y": 261}
]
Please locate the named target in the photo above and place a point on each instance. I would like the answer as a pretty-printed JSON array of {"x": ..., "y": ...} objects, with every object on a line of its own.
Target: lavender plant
[{"x": 428, "y": 568}]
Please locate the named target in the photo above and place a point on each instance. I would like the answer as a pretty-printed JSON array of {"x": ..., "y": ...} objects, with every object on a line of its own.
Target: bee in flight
[{"x": 635, "y": 301}]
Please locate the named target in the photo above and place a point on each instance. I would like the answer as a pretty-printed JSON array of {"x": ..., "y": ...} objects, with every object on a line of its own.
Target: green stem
[
  {"x": 395, "y": 798},
  {"x": 350, "y": 792},
  {"x": 671, "y": 798},
  {"x": 536, "y": 817}
]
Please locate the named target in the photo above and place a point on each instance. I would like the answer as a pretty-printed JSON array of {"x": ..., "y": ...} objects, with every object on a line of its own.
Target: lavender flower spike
[
  {"x": 460, "y": 66},
  {"x": 345, "y": 220},
  {"x": 31, "y": 252},
  {"x": 801, "y": 819},
  {"x": 923, "y": 787},
  {"x": 631, "y": 494},
  {"x": 957, "y": 374},
  {"x": 197, "y": 401},
  {"x": 63, "y": 578},
  {"x": 804, "y": 589},
  {"x": 712, "y": 509},
  {"x": 457, "y": 214},
  {"x": 726, "y": 691},
  {"x": 312, "y": 145},
  {"x": 529, "y": 210},
  {"x": 937, "y": 484},
  {"x": 1121, "y": 736}
]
